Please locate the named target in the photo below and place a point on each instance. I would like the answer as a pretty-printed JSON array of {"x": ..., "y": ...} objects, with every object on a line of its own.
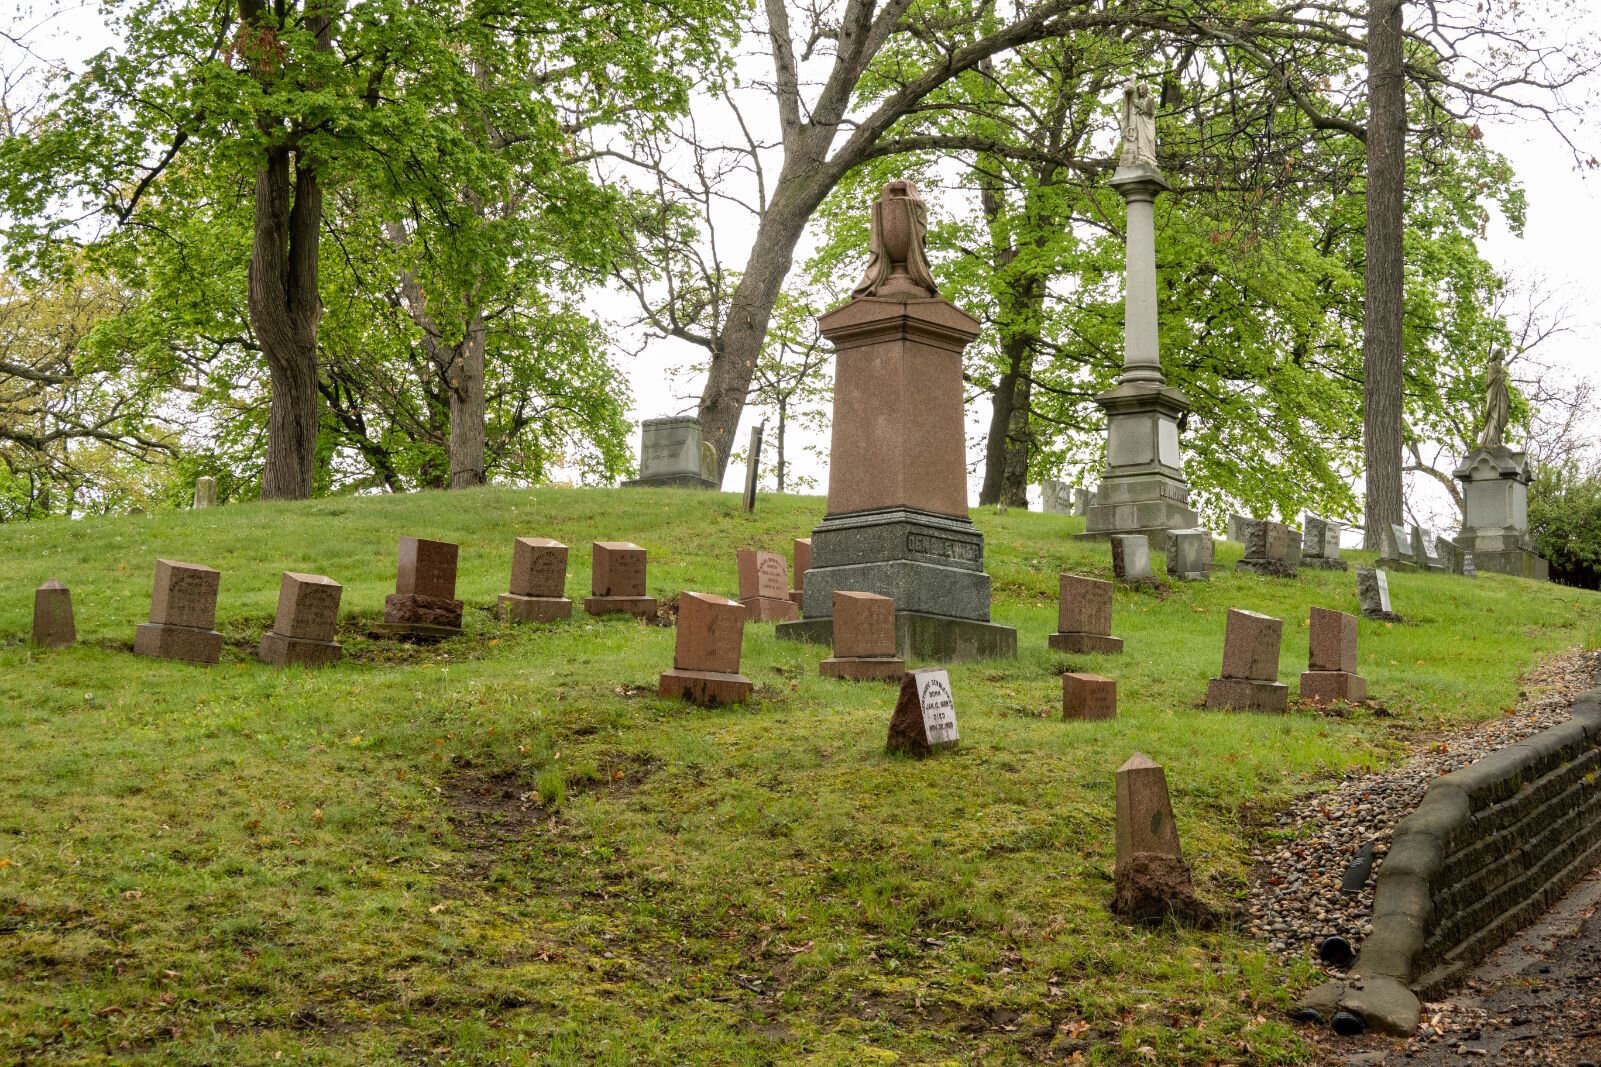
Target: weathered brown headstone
[
  {"x": 764, "y": 586},
  {"x": 1084, "y": 618},
  {"x": 538, "y": 582},
  {"x": 52, "y": 616},
  {"x": 1152, "y": 880},
  {"x": 864, "y": 639},
  {"x": 1088, "y": 696},
  {"x": 1250, "y": 665},
  {"x": 183, "y": 612},
  {"x": 423, "y": 605},
  {"x": 706, "y": 652},
  {"x": 1331, "y": 668},
  {"x": 925, "y": 714},
  {"x": 803, "y": 563},
  {"x": 617, "y": 581},
  {"x": 307, "y": 621}
]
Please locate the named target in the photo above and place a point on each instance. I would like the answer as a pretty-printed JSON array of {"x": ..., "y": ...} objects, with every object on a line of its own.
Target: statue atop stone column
[
  {"x": 1497, "y": 403},
  {"x": 1137, "y": 120},
  {"x": 897, "y": 263}
]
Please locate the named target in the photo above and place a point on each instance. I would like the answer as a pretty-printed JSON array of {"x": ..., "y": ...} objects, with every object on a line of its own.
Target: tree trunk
[
  {"x": 467, "y": 429},
  {"x": 1382, "y": 352},
  {"x": 285, "y": 311},
  {"x": 1001, "y": 406},
  {"x": 1019, "y": 437},
  {"x": 779, "y": 450}
]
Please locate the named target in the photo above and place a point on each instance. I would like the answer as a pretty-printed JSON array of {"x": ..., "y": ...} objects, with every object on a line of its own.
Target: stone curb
[{"x": 1416, "y": 945}]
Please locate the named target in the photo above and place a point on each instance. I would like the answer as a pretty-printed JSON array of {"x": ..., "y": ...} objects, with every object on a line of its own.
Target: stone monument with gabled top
[{"x": 897, "y": 522}]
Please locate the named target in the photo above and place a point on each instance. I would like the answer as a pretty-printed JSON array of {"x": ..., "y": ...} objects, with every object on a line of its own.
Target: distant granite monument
[
  {"x": 897, "y": 522},
  {"x": 1143, "y": 490},
  {"x": 671, "y": 453},
  {"x": 1495, "y": 491}
]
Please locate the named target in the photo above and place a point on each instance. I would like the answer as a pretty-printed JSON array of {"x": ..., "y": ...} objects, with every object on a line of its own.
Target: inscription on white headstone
[
  {"x": 1384, "y": 590},
  {"x": 939, "y": 708}
]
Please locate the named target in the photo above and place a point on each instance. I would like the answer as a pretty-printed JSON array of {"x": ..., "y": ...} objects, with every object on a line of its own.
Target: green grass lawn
[{"x": 507, "y": 849}]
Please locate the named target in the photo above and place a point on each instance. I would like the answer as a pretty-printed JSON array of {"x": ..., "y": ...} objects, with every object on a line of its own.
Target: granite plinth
[
  {"x": 1247, "y": 694},
  {"x": 863, "y": 668},
  {"x": 927, "y": 563},
  {"x": 414, "y": 632},
  {"x": 708, "y": 688},
  {"x": 671, "y": 481},
  {"x": 1271, "y": 568},
  {"x": 920, "y": 636},
  {"x": 166, "y": 641},
  {"x": 643, "y": 607},
  {"x": 1143, "y": 491},
  {"x": 513, "y": 607},
  {"x": 283, "y": 651},
  {"x": 1080, "y": 643},
  {"x": 1329, "y": 687},
  {"x": 770, "y": 609}
]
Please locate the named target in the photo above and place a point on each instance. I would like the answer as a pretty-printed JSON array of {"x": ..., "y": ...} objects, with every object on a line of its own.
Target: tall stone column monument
[
  {"x": 1495, "y": 491},
  {"x": 1143, "y": 490},
  {"x": 897, "y": 522}
]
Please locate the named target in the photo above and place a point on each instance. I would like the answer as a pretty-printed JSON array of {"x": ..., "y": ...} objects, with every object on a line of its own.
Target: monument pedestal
[
  {"x": 1495, "y": 513},
  {"x": 671, "y": 455},
  {"x": 897, "y": 522}
]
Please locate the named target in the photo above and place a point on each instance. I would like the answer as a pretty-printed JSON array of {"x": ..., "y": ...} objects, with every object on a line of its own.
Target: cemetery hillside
[{"x": 506, "y": 847}]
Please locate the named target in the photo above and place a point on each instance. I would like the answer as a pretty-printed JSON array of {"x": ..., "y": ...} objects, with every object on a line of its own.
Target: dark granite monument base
[
  {"x": 708, "y": 688},
  {"x": 281, "y": 651},
  {"x": 188, "y": 643},
  {"x": 927, "y": 563},
  {"x": 1518, "y": 562},
  {"x": 919, "y": 636},
  {"x": 1318, "y": 563},
  {"x": 1269, "y": 568},
  {"x": 515, "y": 608},
  {"x": 672, "y": 481}
]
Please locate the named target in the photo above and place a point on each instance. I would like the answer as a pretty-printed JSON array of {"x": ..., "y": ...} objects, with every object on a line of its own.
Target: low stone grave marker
[
  {"x": 1395, "y": 548},
  {"x": 1189, "y": 555},
  {"x": 1425, "y": 550},
  {"x": 925, "y": 714},
  {"x": 803, "y": 563},
  {"x": 205, "y": 492},
  {"x": 1452, "y": 556},
  {"x": 307, "y": 621},
  {"x": 53, "y": 626},
  {"x": 1131, "y": 559},
  {"x": 617, "y": 581},
  {"x": 1269, "y": 549},
  {"x": 538, "y": 590},
  {"x": 1331, "y": 662},
  {"x": 183, "y": 614},
  {"x": 1249, "y": 682},
  {"x": 764, "y": 586},
  {"x": 1238, "y": 527},
  {"x": 1373, "y": 591},
  {"x": 1084, "y": 617},
  {"x": 1320, "y": 544},
  {"x": 1152, "y": 881},
  {"x": 1088, "y": 696},
  {"x": 423, "y": 605},
  {"x": 864, "y": 639},
  {"x": 706, "y": 652}
]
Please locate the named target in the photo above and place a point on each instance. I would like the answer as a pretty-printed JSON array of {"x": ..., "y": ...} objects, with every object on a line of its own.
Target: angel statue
[
  {"x": 1497, "y": 402},
  {"x": 1137, "y": 120}
]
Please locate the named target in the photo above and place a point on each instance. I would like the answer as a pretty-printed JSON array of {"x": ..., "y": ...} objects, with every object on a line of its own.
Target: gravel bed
[{"x": 1294, "y": 899}]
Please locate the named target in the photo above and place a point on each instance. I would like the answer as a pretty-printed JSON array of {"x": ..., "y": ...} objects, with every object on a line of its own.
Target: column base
[
  {"x": 1245, "y": 694},
  {"x": 672, "y": 481},
  {"x": 708, "y": 688},
  {"x": 515, "y": 608},
  {"x": 281, "y": 651},
  {"x": 919, "y": 636},
  {"x": 927, "y": 563},
  {"x": 188, "y": 643}
]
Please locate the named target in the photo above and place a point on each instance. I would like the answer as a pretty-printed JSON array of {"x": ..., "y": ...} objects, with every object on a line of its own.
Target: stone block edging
[{"x": 1488, "y": 849}]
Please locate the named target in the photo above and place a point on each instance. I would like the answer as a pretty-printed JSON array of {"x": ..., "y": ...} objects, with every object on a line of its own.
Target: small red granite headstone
[
  {"x": 1331, "y": 668},
  {"x": 1088, "y": 696},
  {"x": 1084, "y": 622},
  {"x": 53, "y": 626},
  {"x": 423, "y": 605},
  {"x": 307, "y": 621},
  {"x": 1250, "y": 665},
  {"x": 538, "y": 582},
  {"x": 617, "y": 581},
  {"x": 864, "y": 639},
  {"x": 183, "y": 612},
  {"x": 764, "y": 586},
  {"x": 706, "y": 652}
]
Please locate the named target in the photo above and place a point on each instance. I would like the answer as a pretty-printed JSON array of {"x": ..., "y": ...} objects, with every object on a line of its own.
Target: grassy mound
[{"x": 507, "y": 849}]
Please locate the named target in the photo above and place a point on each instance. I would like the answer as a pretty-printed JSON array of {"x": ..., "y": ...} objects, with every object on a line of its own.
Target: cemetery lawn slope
[{"x": 506, "y": 849}]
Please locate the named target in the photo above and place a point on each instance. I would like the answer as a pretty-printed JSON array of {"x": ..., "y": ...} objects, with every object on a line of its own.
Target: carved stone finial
[
  {"x": 1137, "y": 119},
  {"x": 898, "y": 261},
  {"x": 1497, "y": 403}
]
